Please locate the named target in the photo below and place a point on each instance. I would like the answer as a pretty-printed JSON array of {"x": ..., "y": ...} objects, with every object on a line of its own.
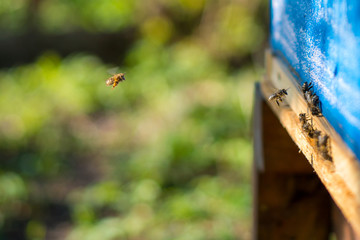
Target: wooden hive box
[{"x": 314, "y": 42}]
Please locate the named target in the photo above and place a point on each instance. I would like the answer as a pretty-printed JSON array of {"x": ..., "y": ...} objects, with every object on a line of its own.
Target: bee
[
  {"x": 306, "y": 126},
  {"x": 114, "y": 80},
  {"x": 317, "y": 133},
  {"x": 278, "y": 96},
  {"x": 323, "y": 144},
  {"x": 306, "y": 87},
  {"x": 311, "y": 99},
  {"x": 313, "y": 103}
]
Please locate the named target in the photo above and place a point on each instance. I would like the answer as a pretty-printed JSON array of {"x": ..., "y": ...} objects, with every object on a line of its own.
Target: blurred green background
[{"x": 165, "y": 155}]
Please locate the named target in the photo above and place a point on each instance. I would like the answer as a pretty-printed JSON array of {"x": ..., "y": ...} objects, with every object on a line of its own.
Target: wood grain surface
[{"x": 341, "y": 176}]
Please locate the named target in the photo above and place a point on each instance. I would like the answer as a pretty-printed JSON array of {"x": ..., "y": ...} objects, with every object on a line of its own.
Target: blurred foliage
[{"x": 165, "y": 155}]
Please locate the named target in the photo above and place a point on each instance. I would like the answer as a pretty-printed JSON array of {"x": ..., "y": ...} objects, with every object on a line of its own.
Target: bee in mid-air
[
  {"x": 306, "y": 126},
  {"x": 278, "y": 96},
  {"x": 114, "y": 80},
  {"x": 323, "y": 144}
]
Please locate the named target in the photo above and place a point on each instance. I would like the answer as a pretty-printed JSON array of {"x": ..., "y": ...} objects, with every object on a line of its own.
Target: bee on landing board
[
  {"x": 114, "y": 80},
  {"x": 313, "y": 103},
  {"x": 323, "y": 144},
  {"x": 307, "y": 127},
  {"x": 278, "y": 96},
  {"x": 306, "y": 87},
  {"x": 312, "y": 100}
]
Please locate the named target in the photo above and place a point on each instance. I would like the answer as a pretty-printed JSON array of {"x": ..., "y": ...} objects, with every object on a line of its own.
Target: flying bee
[
  {"x": 278, "y": 96},
  {"x": 114, "y": 80},
  {"x": 323, "y": 144},
  {"x": 306, "y": 126}
]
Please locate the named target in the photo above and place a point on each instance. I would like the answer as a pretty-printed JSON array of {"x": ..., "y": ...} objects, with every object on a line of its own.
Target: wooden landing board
[
  {"x": 341, "y": 176},
  {"x": 289, "y": 200}
]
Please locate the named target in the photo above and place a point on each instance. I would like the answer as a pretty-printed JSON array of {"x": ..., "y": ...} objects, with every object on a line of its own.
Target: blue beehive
[{"x": 321, "y": 42}]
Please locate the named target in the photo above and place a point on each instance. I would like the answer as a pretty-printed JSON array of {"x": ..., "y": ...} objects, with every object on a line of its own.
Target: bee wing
[{"x": 113, "y": 71}]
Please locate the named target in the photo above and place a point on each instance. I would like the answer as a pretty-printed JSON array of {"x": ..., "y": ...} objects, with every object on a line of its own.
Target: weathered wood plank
[
  {"x": 341, "y": 176},
  {"x": 341, "y": 227},
  {"x": 290, "y": 202}
]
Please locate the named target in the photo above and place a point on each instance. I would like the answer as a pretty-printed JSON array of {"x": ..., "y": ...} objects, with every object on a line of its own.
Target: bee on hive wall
[
  {"x": 312, "y": 100},
  {"x": 323, "y": 144},
  {"x": 307, "y": 126},
  {"x": 306, "y": 87}
]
